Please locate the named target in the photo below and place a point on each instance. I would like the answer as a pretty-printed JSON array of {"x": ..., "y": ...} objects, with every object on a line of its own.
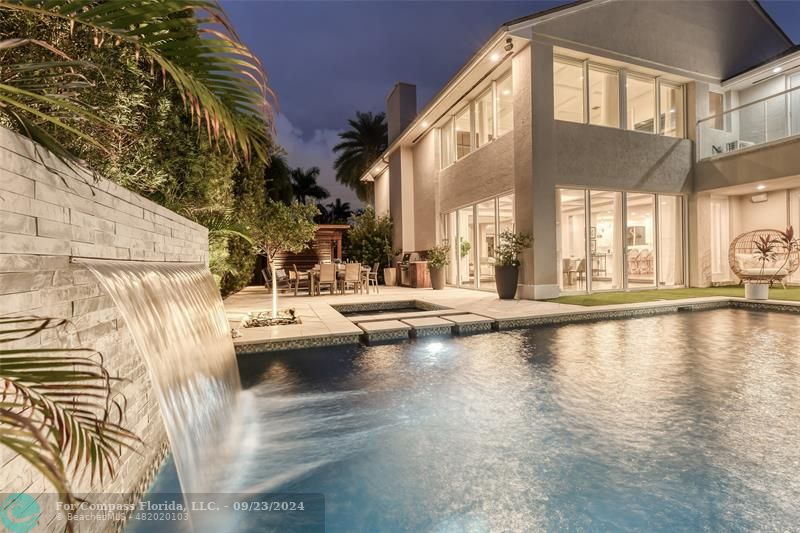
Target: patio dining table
[{"x": 313, "y": 276}]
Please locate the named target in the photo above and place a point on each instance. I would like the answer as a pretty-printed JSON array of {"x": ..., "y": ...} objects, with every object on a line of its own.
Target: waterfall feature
[{"x": 177, "y": 320}]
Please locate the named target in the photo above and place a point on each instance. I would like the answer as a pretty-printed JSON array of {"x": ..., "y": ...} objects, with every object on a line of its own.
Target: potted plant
[
  {"x": 437, "y": 260},
  {"x": 390, "y": 272},
  {"x": 774, "y": 254},
  {"x": 506, "y": 267}
]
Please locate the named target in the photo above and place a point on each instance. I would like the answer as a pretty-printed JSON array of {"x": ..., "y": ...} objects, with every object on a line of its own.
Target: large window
[
  {"x": 627, "y": 241},
  {"x": 479, "y": 122},
  {"x": 603, "y": 96},
  {"x": 505, "y": 106},
  {"x": 447, "y": 149},
  {"x": 670, "y": 110},
  {"x": 484, "y": 119},
  {"x": 568, "y": 93},
  {"x": 463, "y": 146},
  {"x": 589, "y": 93},
  {"x": 641, "y": 104}
]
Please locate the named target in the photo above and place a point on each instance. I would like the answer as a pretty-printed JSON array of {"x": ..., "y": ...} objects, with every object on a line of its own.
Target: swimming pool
[{"x": 688, "y": 421}]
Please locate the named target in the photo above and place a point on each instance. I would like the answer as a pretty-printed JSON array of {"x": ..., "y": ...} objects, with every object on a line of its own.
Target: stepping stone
[
  {"x": 429, "y": 326},
  {"x": 470, "y": 323},
  {"x": 384, "y": 330}
]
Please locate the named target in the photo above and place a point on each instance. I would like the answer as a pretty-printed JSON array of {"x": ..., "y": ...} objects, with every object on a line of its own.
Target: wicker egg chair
[{"x": 744, "y": 262}]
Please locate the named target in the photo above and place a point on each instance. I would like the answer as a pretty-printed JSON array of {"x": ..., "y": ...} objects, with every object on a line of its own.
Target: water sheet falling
[{"x": 177, "y": 320}]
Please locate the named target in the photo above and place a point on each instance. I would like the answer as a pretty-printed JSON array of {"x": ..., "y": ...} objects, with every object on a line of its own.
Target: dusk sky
[{"x": 325, "y": 60}]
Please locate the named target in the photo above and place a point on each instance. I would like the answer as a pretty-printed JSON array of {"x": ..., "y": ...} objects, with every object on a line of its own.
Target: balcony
[{"x": 770, "y": 119}]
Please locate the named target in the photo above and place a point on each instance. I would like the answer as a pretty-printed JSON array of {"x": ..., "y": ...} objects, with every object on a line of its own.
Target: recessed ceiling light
[
  {"x": 777, "y": 69},
  {"x": 761, "y": 187},
  {"x": 425, "y": 124},
  {"x": 495, "y": 57}
]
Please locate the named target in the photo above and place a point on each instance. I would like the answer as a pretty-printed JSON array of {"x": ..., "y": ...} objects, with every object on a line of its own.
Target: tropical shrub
[{"x": 370, "y": 239}]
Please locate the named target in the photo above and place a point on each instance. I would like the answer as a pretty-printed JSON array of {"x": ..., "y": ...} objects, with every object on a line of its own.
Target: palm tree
[
  {"x": 361, "y": 145},
  {"x": 339, "y": 211},
  {"x": 305, "y": 187},
  {"x": 278, "y": 179},
  {"x": 190, "y": 43}
]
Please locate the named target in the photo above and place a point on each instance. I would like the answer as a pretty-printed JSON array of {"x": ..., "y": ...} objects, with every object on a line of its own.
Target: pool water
[{"x": 678, "y": 422}]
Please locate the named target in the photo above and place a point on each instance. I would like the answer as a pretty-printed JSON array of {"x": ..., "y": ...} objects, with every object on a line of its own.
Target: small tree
[{"x": 286, "y": 228}]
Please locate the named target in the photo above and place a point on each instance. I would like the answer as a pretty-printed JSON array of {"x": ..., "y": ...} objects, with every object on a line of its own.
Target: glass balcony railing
[{"x": 768, "y": 119}]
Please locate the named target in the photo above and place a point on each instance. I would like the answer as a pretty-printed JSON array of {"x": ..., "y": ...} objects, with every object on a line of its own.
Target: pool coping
[{"x": 356, "y": 335}]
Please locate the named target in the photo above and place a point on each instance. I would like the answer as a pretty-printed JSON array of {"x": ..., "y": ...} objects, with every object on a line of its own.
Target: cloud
[{"x": 316, "y": 151}]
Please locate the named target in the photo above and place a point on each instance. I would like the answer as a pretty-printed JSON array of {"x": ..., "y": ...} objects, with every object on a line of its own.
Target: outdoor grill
[{"x": 414, "y": 270}]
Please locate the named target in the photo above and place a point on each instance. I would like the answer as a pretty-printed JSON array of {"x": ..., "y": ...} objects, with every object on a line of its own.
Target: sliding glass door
[
  {"x": 670, "y": 241},
  {"x": 627, "y": 241},
  {"x": 466, "y": 252},
  {"x": 640, "y": 245},
  {"x": 794, "y": 220},
  {"x": 487, "y": 240},
  {"x": 605, "y": 241},
  {"x": 571, "y": 240},
  {"x": 472, "y": 233}
]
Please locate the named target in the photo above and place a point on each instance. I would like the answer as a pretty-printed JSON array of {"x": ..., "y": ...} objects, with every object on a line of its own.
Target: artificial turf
[{"x": 611, "y": 298}]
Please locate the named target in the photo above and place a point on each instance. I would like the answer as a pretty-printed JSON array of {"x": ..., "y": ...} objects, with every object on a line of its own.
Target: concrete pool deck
[{"x": 322, "y": 325}]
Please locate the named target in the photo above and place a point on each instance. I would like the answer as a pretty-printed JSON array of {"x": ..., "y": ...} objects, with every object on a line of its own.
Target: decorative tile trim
[
  {"x": 386, "y": 335},
  {"x": 592, "y": 316},
  {"x": 474, "y": 327},
  {"x": 296, "y": 344},
  {"x": 432, "y": 331},
  {"x": 388, "y": 306},
  {"x": 765, "y": 306}
]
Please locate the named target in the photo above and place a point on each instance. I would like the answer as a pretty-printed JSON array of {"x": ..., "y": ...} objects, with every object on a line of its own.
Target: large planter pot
[
  {"x": 756, "y": 291},
  {"x": 390, "y": 276},
  {"x": 505, "y": 278},
  {"x": 437, "y": 278}
]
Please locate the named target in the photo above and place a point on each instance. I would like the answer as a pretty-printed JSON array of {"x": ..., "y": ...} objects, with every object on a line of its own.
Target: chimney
[{"x": 401, "y": 108}]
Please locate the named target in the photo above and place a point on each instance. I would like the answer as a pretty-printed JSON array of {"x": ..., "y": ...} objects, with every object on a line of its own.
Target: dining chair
[
  {"x": 282, "y": 281},
  {"x": 301, "y": 280},
  {"x": 372, "y": 278},
  {"x": 327, "y": 276},
  {"x": 581, "y": 272},
  {"x": 352, "y": 277}
]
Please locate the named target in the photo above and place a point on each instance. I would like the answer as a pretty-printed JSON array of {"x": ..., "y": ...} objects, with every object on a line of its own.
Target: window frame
[
  {"x": 623, "y": 74},
  {"x": 470, "y": 106}
]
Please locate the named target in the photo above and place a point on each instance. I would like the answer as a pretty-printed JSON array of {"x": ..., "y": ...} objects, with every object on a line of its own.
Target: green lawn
[{"x": 610, "y": 298}]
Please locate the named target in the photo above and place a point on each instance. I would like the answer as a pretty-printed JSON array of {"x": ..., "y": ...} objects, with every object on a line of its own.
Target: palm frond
[
  {"x": 57, "y": 408},
  {"x": 220, "y": 222},
  {"x": 191, "y": 42}
]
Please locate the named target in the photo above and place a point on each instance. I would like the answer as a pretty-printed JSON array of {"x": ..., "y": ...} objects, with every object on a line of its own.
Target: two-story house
[{"x": 632, "y": 139}]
